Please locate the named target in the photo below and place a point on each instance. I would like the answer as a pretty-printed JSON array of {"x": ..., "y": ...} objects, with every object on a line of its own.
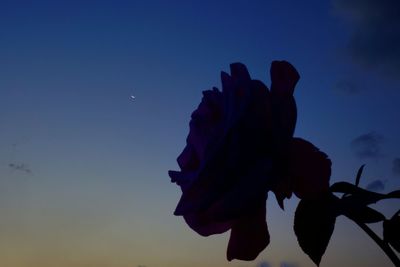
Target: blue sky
[{"x": 97, "y": 192}]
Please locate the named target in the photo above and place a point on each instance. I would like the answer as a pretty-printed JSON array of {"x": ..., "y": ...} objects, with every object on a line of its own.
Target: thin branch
[{"x": 382, "y": 244}]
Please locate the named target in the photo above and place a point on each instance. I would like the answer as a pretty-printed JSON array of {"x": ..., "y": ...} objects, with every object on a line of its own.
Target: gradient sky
[{"x": 83, "y": 167}]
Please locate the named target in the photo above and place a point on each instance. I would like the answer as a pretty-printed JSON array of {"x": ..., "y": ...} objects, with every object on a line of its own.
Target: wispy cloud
[
  {"x": 264, "y": 264},
  {"x": 346, "y": 87},
  {"x": 289, "y": 264},
  {"x": 375, "y": 40},
  {"x": 396, "y": 166},
  {"x": 282, "y": 264},
  {"x": 20, "y": 167},
  {"x": 367, "y": 145},
  {"x": 376, "y": 185}
]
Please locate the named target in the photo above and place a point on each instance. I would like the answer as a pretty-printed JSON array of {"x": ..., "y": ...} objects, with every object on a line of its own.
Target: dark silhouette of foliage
[
  {"x": 391, "y": 231},
  {"x": 354, "y": 205},
  {"x": 314, "y": 222}
]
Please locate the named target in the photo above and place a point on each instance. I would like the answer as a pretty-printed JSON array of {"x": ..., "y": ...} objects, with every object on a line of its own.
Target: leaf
[
  {"x": 358, "y": 212},
  {"x": 363, "y": 196},
  {"x": 358, "y": 178},
  {"x": 391, "y": 231},
  {"x": 359, "y": 173},
  {"x": 314, "y": 223}
]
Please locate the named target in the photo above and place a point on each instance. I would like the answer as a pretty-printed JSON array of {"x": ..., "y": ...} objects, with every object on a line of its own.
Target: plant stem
[{"x": 383, "y": 245}]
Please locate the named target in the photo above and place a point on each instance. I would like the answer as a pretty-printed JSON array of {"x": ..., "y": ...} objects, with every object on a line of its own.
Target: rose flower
[{"x": 240, "y": 146}]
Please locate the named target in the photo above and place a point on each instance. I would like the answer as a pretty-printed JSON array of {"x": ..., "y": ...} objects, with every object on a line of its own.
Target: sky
[{"x": 83, "y": 166}]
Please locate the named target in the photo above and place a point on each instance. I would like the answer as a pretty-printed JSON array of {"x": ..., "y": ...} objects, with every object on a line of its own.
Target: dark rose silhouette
[{"x": 240, "y": 147}]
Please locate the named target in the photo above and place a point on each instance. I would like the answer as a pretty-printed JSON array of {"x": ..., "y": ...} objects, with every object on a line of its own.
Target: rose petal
[
  {"x": 284, "y": 78},
  {"x": 284, "y": 117},
  {"x": 257, "y": 119},
  {"x": 245, "y": 195},
  {"x": 195, "y": 199},
  {"x": 203, "y": 224},
  {"x": 210, "y": 107},
  {"x": 238, "y": 93},
  {"x": 309, "y": 169},
  {"x": 249, "y": 236},
  {"x": 240, "y": 72},
  {"x": 206, "y": 122},
  {"x": 183, "y": 179},
  {"x": 188, "y": 159},
  {"x": 242, "y": 87},
  {"x": 210, "y": 183},
  {"x": 282, "y": 191},
  {"x": 234, "y": 99},
  {"x": 227, "y": 82},
  {"x": 222, "y": 173}
]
